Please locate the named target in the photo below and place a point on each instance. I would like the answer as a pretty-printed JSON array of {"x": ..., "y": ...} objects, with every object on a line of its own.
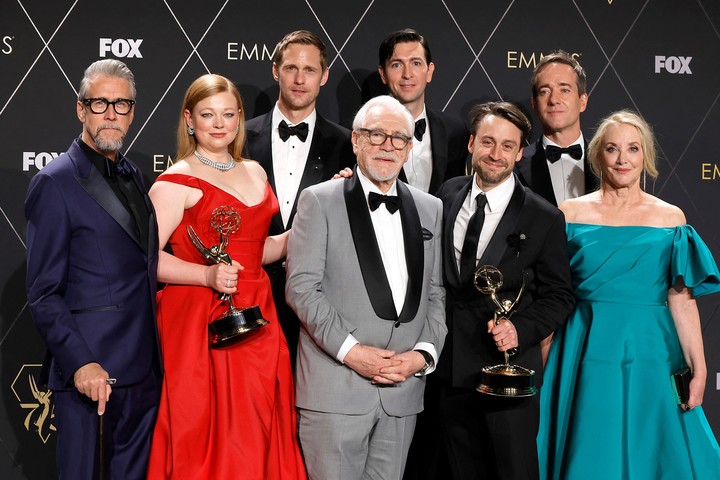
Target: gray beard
[{"x": 108, "y": 145}]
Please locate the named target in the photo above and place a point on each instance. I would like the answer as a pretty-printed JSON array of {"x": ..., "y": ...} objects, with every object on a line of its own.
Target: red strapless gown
[{"x": 224, "y": 413}]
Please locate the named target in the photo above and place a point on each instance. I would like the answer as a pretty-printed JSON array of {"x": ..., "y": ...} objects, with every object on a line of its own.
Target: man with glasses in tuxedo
[
  {"x": 92, "y": 253},
  {"x": 364, "y": 277}
]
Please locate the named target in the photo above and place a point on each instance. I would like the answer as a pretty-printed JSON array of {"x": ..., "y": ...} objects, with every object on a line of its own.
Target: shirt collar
[
  {"x": 277, "y": 117},
  {"x": 498, "y": 196},
  {"x": 580, "y": 141},
  {"x": 368, "y": 186},
  {"x": 97, "y": 158},
  {"x": 423, "y": 114}
]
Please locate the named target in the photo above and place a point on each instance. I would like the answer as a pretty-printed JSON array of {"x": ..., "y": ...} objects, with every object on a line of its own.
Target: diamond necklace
[{"x": 223, "y": 167}]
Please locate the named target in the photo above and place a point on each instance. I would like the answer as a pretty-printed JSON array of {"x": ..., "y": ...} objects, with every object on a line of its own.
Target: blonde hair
[
  {"x": 202, "y": 88},
  {"x": 647, "y": 140}
]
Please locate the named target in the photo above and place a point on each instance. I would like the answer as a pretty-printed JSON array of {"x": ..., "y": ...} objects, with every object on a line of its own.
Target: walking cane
[
  {"x": 101, "y": 438},
  {"x": 101, "y": 447}
]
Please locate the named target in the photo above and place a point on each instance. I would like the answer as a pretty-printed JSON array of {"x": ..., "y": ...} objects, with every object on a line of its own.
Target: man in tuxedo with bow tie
[
  {"x": 364, "y": 276},
  {"x": 92, "y": 252},
  {"x": 438, "y": 153},
  {"x": 490, "y": 218},
  {"x": 555, "y": 166},
  {"x": 296, "y": 146}
]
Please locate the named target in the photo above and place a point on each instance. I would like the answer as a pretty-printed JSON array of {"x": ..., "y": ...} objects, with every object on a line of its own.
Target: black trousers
[{"x": 488, "y": 437}]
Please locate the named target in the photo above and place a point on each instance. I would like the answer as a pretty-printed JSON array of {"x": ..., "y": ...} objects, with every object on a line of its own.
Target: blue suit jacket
[{"x": 91, "y": 284}]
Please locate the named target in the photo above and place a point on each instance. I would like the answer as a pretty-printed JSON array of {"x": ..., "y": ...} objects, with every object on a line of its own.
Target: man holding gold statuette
[{"x": 508, "y": 288}]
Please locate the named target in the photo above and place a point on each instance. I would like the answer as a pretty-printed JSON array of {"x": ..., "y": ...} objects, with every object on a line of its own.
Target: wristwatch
[{"x": 429, "y": 362}]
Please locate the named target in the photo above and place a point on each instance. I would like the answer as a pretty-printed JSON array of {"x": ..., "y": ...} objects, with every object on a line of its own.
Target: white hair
[{"x": 388, "y": 103}]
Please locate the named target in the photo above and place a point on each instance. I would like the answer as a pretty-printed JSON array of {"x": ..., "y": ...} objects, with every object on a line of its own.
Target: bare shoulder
[
  {"x": 666, "y": 214},
  {"x": 162, "y": 190},
  {"x": 577, "y": 209},
  {"x": 254, "y": 169},
  {"x": 180, "y": 166},
  {"x": 171, "y": 192}
]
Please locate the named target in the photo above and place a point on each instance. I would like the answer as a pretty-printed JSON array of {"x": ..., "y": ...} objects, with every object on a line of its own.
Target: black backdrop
[{"x": 656, "y": 56}]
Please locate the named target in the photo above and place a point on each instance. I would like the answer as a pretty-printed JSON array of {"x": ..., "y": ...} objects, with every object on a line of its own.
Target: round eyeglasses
[
  {"x": 122, "y": 106},
  {"x": 378, "y": 137}
]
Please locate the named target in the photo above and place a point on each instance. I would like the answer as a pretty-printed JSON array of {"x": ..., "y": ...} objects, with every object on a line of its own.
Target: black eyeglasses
[
  {"x": 378, "y": 137},
  {"x": 122, "y": 106}
]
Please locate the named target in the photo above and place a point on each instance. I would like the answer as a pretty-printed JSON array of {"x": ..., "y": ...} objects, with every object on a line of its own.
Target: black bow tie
[
  {"x": 420, "y": 127},
  {"x": 121, "y": 168},
  {"x": 301, "y": 130},
  {"x": 553, "y": 153},
  {"x": 392, "y": 202}
]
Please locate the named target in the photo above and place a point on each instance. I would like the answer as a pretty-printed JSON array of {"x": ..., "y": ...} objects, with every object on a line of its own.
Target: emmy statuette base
[
  {"x": 507, "y": 381},
  {"x": 235, "y": 325}
]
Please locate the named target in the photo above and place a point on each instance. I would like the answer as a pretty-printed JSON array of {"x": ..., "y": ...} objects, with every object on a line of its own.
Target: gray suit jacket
[{"x": 337, "y": 286}]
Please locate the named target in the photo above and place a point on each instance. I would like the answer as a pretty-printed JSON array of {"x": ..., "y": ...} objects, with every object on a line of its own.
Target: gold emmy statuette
[
  {"x": 236, "y": 323},
  {"x": 505, "y": 380}
]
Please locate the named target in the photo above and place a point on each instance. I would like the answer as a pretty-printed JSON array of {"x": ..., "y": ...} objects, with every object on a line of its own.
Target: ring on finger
[{"x": 227, "y": 283}]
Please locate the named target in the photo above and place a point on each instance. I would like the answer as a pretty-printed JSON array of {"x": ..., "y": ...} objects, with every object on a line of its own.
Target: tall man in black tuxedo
[
  {"x": 492, "y": 219},
  {"x": 405, "y": 66},
  {"x": 92, "y": 253},
  {"x": 296, "y": 146},
  {"x": 556, "y": 166}
]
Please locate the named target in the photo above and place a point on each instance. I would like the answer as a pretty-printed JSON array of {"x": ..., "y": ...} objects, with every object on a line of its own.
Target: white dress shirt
[
  {"x": 497, "y": 201},
  {"x": 391, "y": 242},
  {"x": 418, "y": 168},
  {"x": 567, "y": 174},
  {"x": 289, "y": 159}
]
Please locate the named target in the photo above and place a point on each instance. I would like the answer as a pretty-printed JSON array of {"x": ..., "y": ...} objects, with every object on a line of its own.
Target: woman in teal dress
[{"x": 608, "y": 408}]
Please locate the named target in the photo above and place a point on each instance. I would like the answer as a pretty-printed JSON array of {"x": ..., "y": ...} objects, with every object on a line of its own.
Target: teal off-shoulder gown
[{"x": 608, "y": 409}]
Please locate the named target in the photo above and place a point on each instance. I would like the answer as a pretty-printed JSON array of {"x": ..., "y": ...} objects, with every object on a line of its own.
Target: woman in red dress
[{"x": 225, "y": 413}]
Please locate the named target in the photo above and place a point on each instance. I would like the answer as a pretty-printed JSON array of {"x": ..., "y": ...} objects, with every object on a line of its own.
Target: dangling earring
[{"x": 191, "y": 131}]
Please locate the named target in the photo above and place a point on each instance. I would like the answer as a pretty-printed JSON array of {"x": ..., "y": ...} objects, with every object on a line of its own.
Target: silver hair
[
  {"x": 385, "y": 102},
  {"x": 108, "y": 67}
]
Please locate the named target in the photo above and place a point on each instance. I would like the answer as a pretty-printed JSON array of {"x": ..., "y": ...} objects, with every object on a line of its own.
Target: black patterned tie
[
  {"x": 120, "y": 168},
  {"x": 553, "y": 153},
  {"x": 472, "y": 236},
  {"x": 300, "y": 130}
]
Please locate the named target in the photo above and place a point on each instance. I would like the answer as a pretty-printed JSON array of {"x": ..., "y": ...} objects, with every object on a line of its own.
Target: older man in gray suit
[{"x": 364, "y": 276}]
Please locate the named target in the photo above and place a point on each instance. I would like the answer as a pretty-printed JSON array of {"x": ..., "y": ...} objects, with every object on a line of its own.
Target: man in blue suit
[{"x": 91, "y": 282}]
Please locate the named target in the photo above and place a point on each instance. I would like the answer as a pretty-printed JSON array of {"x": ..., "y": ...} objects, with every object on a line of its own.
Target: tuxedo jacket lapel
[
  {"x": 414, "y": 252},
  {"x": 262, "y": 153},
  {"x": 367, "y": 250},
  {"x": 402, "y": 177},
  {"x": 540, "y": 174},
  {"x": 592, "y": 183},
  {"x": 452, "y": 273},
  {"x": 498, "y": 243},
  {"x": 262, "y": 147},
  {"x": 439, "y": 144},
  {"x": 315, "y": 164},
  {"x": 541, "y": 181},
  {"x": 152, "y": 246},
  {"x": 93, "y": 182}
]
